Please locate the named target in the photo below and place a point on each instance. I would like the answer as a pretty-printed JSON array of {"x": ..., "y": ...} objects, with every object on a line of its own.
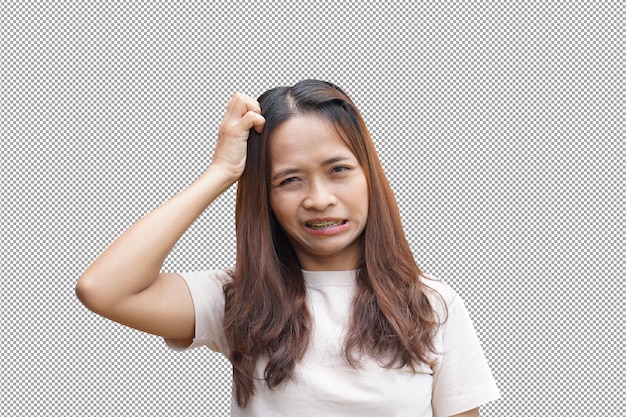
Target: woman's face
[{"x": 318, "y": 193}]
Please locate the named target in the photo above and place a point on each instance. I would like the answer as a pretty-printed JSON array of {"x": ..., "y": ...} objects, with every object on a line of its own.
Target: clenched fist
[{"x": 242, "y": 114}]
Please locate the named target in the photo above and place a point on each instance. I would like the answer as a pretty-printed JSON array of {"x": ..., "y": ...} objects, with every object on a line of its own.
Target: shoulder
[
  {"x": 208, "y": 278},
  {"x": 441, "y": 295},
  {"x": 207, "y": 293},
  {"x": 207, "y": 287},
  {"x": 462, "y": 379}
]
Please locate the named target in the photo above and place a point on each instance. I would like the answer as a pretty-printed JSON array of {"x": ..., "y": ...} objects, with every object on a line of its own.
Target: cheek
[
  {"x": 360, "y": 194},
  {"x": 274, "y": 206},
  {"x": 272, "y": 202},
  {"x": 280, "y": 208}
]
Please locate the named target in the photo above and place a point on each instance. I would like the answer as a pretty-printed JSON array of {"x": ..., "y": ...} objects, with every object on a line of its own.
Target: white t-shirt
[{"x": 325, "y": 385}]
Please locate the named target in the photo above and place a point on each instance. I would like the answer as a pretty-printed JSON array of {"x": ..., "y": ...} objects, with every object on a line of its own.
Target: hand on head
[{"x": 242, "y": 114}]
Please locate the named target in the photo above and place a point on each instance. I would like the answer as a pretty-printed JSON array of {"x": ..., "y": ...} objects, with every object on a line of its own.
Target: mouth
[{"x": 325, "y": 224}]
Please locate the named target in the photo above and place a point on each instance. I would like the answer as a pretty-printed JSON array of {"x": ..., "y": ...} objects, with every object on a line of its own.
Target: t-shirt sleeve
[
  {"x": 207, "y": 294},
  {"x": 462, "y": 379}
]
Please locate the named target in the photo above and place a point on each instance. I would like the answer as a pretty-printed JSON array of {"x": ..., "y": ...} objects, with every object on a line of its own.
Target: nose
[{"x": 319, "y": 197}]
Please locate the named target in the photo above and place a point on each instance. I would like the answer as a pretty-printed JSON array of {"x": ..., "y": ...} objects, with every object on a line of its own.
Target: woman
[{"x": 326, "y": 312}]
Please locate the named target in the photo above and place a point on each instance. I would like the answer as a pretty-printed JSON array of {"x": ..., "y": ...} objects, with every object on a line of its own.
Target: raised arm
[{"x": 124, "y": 283}]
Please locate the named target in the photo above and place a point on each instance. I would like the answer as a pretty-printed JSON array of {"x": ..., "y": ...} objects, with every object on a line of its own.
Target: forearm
[{"x": 133, "y": 261}]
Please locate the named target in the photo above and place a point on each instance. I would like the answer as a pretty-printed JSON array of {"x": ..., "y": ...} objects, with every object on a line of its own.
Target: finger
[
  {"x": 241, "y": 104},
  {"x": 252, "y": 105},
  {"x": 253, "y": 120},
  {"x": 259, "y": 123}
]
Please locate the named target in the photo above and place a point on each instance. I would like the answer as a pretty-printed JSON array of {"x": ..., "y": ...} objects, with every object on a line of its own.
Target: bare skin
[
  {"x": 316, "y": 176},
  {"x": 125, "y": 284}
]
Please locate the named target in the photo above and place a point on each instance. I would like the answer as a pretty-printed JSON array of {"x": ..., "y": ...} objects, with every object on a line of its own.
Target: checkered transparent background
[{"x": 500, "y": 125}]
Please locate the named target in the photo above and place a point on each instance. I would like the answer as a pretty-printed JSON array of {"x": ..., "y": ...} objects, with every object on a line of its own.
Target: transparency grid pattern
[{"x": 500, "y": 126}]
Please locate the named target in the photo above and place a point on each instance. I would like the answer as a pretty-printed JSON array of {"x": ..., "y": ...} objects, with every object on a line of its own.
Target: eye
[
  {"x": 339, "y": 168},
  {"x": 287, "y": 181}
]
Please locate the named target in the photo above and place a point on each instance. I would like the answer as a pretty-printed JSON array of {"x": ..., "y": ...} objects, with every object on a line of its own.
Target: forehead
[{"x": 305, "y": 137}]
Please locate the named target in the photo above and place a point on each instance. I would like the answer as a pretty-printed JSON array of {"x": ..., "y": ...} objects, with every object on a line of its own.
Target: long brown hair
[{"x": 266, "y": 313}]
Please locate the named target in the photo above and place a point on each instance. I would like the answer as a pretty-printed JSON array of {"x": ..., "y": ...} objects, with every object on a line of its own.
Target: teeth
[{"x": 323, "y": 225}]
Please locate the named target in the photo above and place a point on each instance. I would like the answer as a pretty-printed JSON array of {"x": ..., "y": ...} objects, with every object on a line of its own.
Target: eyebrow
[{"x": 290, "y": 171}]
